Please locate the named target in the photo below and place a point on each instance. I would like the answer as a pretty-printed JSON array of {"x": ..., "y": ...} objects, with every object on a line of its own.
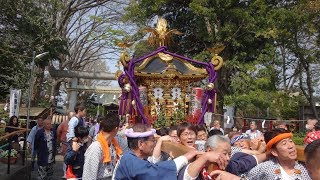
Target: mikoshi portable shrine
[{"x": 158, "y": 84}]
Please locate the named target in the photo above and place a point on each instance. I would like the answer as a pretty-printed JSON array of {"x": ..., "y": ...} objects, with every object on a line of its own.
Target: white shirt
[
  {"x": 254, "y": 134},
  {"x": 284, "y": 174}
]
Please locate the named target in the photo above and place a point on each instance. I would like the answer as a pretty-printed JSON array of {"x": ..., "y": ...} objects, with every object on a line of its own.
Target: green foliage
[
  {"x": 3, "y": 114},
  {"x": 176, "y": 119},
  {"x": 252, "y": 87},
  {"x": 203, "y": 56},
  {"x": 5, "y": 153},
  {"x": 285, "y": 106},
  {"x": 142, "y": 49},
  {"x": 298, "y": 138},
  {"x": 27, "y": 26},
  {"x": 178, "y": 116},
  {"x": 43, "y": 102},
  {"x": 93, "y": 109},
  {"x": 162, "y": 121}
]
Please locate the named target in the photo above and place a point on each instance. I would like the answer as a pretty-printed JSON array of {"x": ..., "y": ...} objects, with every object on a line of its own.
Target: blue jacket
[
  {"x": 241, "y": 163},
  {"x": 75, "y": 159},
  {"x": 131, "y": 167},
  {"x": 40, "y": 146}
]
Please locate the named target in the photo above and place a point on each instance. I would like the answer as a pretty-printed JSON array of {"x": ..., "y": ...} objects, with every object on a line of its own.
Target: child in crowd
[{"x": 74, "y": 158}]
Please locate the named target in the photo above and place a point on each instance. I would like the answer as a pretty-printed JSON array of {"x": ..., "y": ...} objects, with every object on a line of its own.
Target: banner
[
  {"x": 195, "y": 101},
  {"x": 228, "y": 116},
  {"x": 15, "y": 95}
]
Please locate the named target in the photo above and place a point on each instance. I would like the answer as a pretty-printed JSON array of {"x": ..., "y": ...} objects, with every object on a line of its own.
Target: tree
[
  {"x": 259, "y": 36},
  {"x": 77, "y": 34},
  {"x": 236, "y": 25},
  {"x": 91, "y": 28},
  {"x": 25, "y": 27},
  {"x": 297, "y": 36}
]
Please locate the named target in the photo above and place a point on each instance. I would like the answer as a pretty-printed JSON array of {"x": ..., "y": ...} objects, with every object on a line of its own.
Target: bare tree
[
  {"x": 299, "y": 64},
  {"x": 90, "y": 28}
]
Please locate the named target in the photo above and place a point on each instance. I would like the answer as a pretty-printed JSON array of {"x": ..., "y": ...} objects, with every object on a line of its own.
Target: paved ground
[
  {"x": 57, "y": 169},
  {"x": 20, "y": 172},
  {"x": 14, "y": 168}
]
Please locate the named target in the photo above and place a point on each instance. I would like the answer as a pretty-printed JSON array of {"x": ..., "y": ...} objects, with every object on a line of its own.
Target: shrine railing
[{"x": 9, "y": 147}]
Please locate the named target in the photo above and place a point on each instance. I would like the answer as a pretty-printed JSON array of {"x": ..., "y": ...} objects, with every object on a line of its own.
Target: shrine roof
[{"x": 162, "y": 63}]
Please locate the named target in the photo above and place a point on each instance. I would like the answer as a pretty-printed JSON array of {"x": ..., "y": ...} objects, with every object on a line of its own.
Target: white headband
[{"x": 130, "y": 133}]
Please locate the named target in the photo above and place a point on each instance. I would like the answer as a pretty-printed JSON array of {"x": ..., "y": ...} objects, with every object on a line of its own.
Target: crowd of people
[{"x": 110, "y": 149}]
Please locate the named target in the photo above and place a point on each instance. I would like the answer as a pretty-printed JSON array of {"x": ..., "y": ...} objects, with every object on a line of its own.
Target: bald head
[
  {"x": 71, "y": 114},
  {"x": 310, "y": 126}
]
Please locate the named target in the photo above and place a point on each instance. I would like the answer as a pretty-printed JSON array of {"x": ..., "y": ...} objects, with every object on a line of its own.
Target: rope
[
  {"x": 13, "y": 133},
  {"x": 12, "y": 127}
]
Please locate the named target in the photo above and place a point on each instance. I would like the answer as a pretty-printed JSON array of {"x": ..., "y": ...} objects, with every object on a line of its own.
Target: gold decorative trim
[
  {"x": 118, "y": 73},
  {"x": 124, "y": 58},
  {"x": 144, "y": 63},
  {"x": 193, "y": 68},
  {"x": 217, "y": 61},
  {"x": 161, "y": 35},
  {"x": 165, "y": 57}
]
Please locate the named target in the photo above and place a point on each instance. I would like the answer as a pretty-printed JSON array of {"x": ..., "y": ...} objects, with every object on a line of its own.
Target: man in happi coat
[
  {"x": 134, "y": 165},
  {"x": 282, "y": 164}
]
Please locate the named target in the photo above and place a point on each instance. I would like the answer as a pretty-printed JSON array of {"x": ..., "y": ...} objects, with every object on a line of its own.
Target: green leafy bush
[
  {"x": 5, "y": 153},
  {"x": 298, "y": 138}
]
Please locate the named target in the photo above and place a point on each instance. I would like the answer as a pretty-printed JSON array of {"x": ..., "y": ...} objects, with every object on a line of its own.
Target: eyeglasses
[
  {"x": 188, "y": 134},
  {"x": 202, "y": 135}
]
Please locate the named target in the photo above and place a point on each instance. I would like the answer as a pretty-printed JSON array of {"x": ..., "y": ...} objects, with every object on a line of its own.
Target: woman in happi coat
[{"x": 282, "y": 164}]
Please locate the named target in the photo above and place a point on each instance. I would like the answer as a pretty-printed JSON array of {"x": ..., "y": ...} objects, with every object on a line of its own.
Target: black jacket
[{"x": 40, "y": 146}]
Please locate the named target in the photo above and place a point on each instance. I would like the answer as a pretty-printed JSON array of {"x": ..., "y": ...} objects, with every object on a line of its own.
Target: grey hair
[{"x": 213, "y": 141}]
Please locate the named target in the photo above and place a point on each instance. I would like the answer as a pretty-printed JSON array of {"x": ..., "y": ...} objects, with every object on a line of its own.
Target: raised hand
[
  {"x": 222, "y": 175},
  {"x": 75, "y": 146},
  {"x": 219, "y": 158}
]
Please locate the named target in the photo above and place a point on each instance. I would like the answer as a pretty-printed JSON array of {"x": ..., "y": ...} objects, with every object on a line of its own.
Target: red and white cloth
[{"x": 311, "y": 136}]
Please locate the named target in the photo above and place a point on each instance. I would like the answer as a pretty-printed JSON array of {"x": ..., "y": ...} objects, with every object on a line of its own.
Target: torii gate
[{"x": 75, "y": 75}]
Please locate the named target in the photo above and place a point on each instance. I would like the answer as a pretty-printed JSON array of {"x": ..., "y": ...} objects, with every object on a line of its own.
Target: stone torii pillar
[
  {"x": 75, "y": 75},
  {"x": 73, "y": 94}
]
